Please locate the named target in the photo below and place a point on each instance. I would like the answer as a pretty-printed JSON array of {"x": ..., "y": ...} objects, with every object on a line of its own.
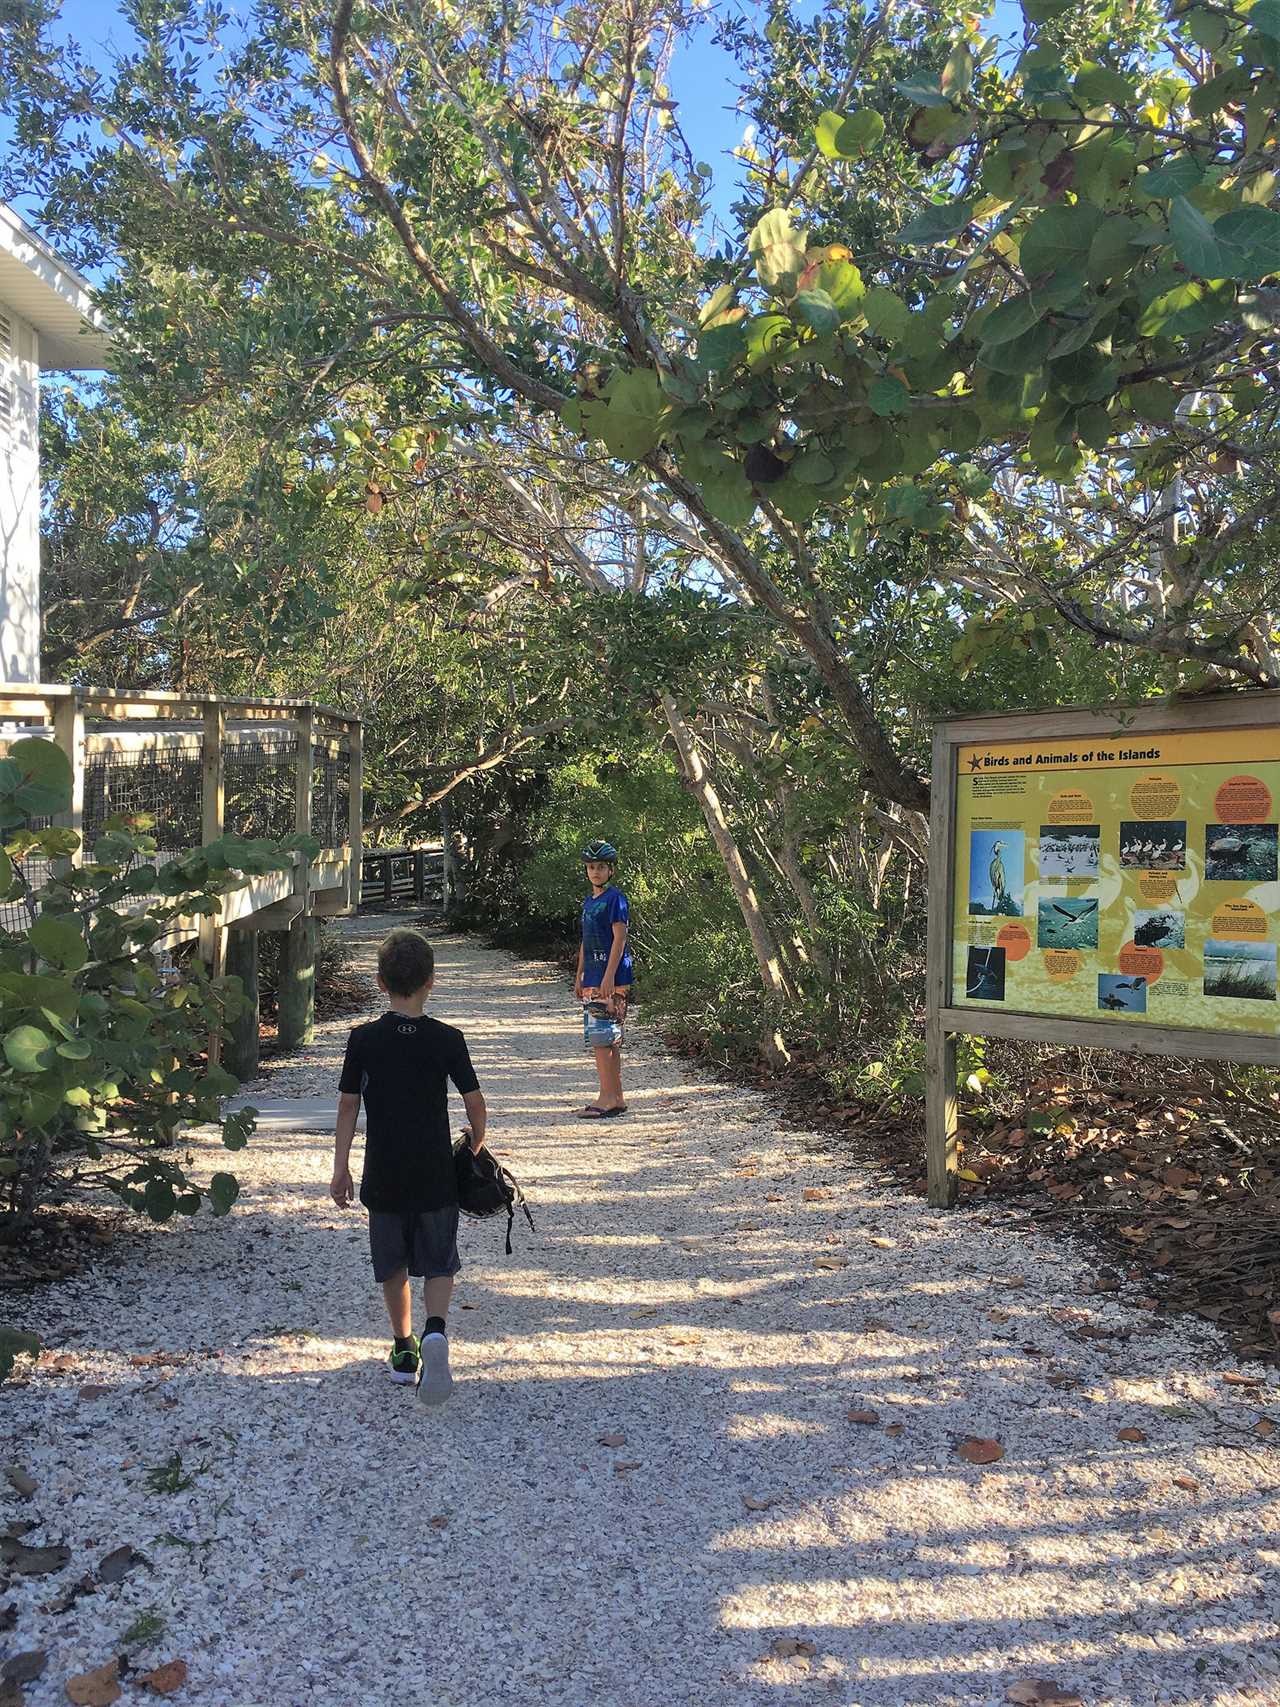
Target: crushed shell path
[{"x": 647, "y": 1491}]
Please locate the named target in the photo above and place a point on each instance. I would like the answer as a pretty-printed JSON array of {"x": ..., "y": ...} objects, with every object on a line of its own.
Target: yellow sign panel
[{"x": 1132, "y": 877}]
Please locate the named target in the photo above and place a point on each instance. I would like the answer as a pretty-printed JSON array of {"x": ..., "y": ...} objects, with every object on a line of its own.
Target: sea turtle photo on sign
[{"x": 1240, "y": 852}]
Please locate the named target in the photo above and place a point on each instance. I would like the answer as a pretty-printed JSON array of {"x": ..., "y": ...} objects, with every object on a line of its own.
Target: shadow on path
[{"x": 648, "y": 1475}]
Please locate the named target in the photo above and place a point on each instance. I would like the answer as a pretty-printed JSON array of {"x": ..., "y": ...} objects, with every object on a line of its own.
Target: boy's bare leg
[
  {"x": 436, "y": 1293},
  {"x": 609, "y": 1072},
  {"x": 602, "y": 1074},
  {"x": 399, "y": 1301}
]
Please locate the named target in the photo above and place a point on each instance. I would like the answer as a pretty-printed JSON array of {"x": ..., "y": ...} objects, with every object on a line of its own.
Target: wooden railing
[
  {"x": 402, "y": 877},
  {"x": 197, "y": 768}
]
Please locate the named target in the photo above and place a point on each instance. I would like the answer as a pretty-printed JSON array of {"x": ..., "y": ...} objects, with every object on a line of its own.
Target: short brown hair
[{"x": 405, "y": 962}]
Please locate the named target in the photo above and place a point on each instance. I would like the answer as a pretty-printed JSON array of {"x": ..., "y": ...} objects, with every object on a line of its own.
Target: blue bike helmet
[{"x": 600, "y": 850}]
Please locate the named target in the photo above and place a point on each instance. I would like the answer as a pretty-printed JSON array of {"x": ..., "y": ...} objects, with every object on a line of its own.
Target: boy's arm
[
  {"x": 340, "y": 1188},
  {"x": 477, "y": 1117},
  {"x": 616, "y": 950},
  {"x": 577, "y": 977}
]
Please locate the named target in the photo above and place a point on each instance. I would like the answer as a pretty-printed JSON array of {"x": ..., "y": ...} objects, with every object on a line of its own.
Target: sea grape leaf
[
  {"x": 887, "y": 316},
  {"x": 937, "y": 222},
  {"x": 59, "y": 941},
  {"x": 27, "y": 1049},
  {"x": 778, "y": 252},
  {"x": 1058, "y": 237},
  {"x": 843, "y": 136}
]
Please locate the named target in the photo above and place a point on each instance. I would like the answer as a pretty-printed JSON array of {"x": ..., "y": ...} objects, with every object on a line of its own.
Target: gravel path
[{"x": 647, "y": 1491}]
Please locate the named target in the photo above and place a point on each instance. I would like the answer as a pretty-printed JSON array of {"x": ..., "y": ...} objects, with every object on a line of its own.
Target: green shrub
[
  {"x": 893, "y": 1077},
  {"x": 101, "y": 1054},
  {"x": 694, "y": 966}
]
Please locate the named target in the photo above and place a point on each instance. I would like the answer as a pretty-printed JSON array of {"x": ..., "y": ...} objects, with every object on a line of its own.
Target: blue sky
[
  {"x": 702, "y": 81},
  {"x": 701, "y": 76}
]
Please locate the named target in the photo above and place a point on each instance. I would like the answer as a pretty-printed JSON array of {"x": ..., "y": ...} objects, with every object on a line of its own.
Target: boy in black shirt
[{"x": 400, "y": 1064}]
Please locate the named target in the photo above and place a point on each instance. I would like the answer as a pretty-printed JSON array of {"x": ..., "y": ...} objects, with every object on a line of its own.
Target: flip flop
[{"x": 593, "y": 1111}]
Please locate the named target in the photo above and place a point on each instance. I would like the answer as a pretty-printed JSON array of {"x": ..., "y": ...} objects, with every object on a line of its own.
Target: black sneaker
[{"x": 406, "y": 1365}]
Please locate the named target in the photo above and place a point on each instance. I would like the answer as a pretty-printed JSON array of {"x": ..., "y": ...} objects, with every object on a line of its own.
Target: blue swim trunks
[{"x": 603, "y": 1026}]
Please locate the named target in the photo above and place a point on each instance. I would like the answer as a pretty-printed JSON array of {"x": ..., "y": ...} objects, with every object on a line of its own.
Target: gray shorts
[{"x": 425, "y": 1242}]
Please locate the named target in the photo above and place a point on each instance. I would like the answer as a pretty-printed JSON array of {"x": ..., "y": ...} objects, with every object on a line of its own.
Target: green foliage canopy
[{"x": 1020, "y": 304}]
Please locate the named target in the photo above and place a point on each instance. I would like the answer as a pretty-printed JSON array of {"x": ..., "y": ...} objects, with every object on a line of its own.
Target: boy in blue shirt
[{"x": 603, "y": 981}]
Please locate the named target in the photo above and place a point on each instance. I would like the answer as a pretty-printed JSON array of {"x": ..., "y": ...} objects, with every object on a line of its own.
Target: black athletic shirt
[{"x": 400, "y": 1066}]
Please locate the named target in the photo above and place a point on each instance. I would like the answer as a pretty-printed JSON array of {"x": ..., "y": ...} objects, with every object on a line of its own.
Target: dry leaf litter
[{"x": 232, "y": 1503}]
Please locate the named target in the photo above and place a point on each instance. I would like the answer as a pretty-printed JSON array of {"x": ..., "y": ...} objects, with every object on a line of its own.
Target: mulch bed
[{"x": 60, "y": 1242}]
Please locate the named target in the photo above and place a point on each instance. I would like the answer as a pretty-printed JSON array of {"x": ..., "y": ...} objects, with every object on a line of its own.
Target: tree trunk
[
  {"x": 768, "y": 960},
  {"x": 788, "y": 855},
  {"x": 452, "y": 895},
  {"x": 785, "y": 858},
  {"x": 886, "y": 767}
]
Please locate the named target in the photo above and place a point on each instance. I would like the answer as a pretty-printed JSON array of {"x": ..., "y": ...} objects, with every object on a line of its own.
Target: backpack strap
[{"x": 511, "y": 1217}]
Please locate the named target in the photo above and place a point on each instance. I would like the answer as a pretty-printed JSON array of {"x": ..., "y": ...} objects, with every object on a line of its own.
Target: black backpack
[{"x": 486, "y": 1188}]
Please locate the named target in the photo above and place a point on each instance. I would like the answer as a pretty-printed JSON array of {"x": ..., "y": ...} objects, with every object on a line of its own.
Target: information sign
[
  {"x": 1130, "y": 879},
  {"x": 1104, "y": 879}
]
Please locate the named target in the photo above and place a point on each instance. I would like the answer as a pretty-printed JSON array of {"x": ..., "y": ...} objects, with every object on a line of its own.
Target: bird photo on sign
[
  {"x": 984, "y": 975},
  {"x": 1067, "y": 922},
  {"x": 996, "y": 865},
  {"x": 1069, "y": 850},
  {"x": 1153, "y": 847},
  {"x": 1160, "y": 928},
  {"x": 1119, "y": 993}
]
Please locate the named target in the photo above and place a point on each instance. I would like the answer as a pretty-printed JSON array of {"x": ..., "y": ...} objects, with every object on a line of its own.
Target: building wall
[{"x": 19, "y": 500}]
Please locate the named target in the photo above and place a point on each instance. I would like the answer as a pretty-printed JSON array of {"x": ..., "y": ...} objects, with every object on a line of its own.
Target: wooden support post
[
  {"x": 940, "y": 1114},
  {"x": 213, "y": 773},
  {"x": 297, "y": 996},
  {"x": 241, "y": 1049},
  {"x": 940, "y": 1044},
  {"x": 303, "y": 776},
  {"x": 67, "y": 716},
  {"x": 355, "y": 809},
  {"x": 213, "y": 936},
  {"x": 388, "y": 880},
  {"x": 419, "y": 876}
]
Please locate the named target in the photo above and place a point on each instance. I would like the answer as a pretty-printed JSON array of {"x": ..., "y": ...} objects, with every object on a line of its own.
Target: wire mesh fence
[
  {"x": 156, "y": 778},
  {"x": 260, "y": 772},
  {"x": 331, "y": 798},
  {"x": 160, "y": 784},
  {"x": 18, "y": 914}
]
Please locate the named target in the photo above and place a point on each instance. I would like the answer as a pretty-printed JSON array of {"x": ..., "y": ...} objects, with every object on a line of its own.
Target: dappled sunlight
[
  {"x": 654, "y": 1395},
  {"x": 769, "y": 1425}
]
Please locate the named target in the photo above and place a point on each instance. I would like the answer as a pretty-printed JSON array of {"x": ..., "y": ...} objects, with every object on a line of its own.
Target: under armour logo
[{"x": 407, "y": 1030}]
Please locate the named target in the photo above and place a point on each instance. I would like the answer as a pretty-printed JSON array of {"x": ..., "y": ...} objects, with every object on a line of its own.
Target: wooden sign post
[{"x": 1103, "y": 879}]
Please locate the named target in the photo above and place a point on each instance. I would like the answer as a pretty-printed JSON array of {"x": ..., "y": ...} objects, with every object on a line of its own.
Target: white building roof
[{"x": 52, "y": 297}]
